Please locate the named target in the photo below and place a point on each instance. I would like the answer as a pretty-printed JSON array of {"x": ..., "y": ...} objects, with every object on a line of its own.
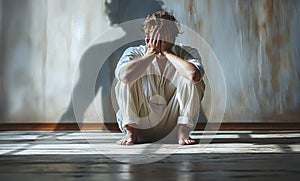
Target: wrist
[
  {"x": 167, "y": 52},
  {"x": 150, "y": 51}
]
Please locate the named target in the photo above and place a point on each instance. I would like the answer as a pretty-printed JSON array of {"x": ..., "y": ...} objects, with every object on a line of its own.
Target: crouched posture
[{"x": 159, "y": 85}]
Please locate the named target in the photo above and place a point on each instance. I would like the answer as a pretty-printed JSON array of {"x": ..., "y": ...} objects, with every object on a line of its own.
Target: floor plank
[{"x": 93, "y": 155}]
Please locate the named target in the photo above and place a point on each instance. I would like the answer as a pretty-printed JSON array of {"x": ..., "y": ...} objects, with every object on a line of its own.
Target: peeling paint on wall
[{"x": 255, "y": 42}]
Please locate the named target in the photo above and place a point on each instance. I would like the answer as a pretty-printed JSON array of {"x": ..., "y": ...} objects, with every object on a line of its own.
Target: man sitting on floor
[{"x": 159, "y": 85}]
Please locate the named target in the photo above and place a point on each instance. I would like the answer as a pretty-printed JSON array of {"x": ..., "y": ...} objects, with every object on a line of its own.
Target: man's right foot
[
  {"x": 183, "y": 135},
  {"x": 129, "y": 138}
]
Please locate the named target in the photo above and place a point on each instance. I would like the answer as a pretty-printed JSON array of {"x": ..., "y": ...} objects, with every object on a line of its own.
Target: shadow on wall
[{"x": 118, "y": 12}]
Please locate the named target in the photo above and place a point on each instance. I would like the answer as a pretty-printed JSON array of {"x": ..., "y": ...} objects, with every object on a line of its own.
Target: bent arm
[
  {"x": 134, "y": 68},
  {"x": 185, "y": 68}
]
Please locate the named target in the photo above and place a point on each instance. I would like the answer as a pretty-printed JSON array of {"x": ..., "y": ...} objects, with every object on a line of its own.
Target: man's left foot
[
  {"x": 130, "y": 137},
  {"x": 183, "y": 135}
]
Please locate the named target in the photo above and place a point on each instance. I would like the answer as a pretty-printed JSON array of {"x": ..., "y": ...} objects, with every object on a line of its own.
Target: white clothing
[{"x": 157, "y": 101}]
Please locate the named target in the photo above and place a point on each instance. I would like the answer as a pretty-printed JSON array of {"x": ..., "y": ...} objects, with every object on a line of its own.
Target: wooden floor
[{"x": 93, "y": 155}]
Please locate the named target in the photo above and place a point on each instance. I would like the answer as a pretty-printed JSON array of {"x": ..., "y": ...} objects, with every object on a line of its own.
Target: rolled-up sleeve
[
  {"x": 129, "y": 54},
  {"x": 192, "y": 55}
]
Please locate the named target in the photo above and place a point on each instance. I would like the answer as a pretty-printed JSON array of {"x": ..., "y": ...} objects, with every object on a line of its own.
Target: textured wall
[{"x": 256, "y": 42}]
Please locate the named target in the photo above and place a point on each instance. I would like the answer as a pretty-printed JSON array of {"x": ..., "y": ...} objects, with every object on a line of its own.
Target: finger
[
  {"x": 157, "y": 41},
  {"x": 155, "y": 36},
  {"x": 147, "y": 41},
  {"x": 151, "y": 41},
  {"x": 157, "y": 33},
  {"x": 154, "y": 29}
]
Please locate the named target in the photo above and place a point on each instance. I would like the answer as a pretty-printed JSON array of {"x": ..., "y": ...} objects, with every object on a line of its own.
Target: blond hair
[{"x": 164, "y": 21}]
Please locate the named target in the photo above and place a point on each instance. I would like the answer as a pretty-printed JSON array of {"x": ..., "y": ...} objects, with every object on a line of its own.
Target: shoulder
[
  {"x": 136, "y": 50},
  {"x": 182, "y": 48},
  {"x": 132, "y": 52},
  {"x": 186, "y": 51}
]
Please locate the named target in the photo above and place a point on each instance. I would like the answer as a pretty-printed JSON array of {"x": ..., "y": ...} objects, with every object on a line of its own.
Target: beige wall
[{"x": 256, "y": 42}]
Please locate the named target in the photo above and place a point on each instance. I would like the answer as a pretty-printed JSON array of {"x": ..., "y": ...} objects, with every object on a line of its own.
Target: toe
[
  {"x": 190, "y": 141},
  {"x": 181, "y": 141},
  {"x": 187, "y": 141},
  {"x": 129, "y": 141},
  {"x": 123, "y": 142}
]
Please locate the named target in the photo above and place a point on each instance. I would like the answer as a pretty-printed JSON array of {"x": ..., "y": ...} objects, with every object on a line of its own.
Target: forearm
[
  {"x": 135, "y": 68},
  {"x": 185, "y": 68}
]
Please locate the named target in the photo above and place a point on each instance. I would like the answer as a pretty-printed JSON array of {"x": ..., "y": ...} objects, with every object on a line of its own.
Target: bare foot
[
  {"x": 130, "y": 137},
  {"x": 183, "y": 135}
]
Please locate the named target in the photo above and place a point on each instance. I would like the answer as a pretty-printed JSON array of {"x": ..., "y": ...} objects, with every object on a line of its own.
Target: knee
[
  {"x": 188, "y": 86},
  {"x": 192, "y": 90}
]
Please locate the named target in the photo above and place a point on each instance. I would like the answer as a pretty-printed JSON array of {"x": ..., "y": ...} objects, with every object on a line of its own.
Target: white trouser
[{"x": 156, "y": 104}]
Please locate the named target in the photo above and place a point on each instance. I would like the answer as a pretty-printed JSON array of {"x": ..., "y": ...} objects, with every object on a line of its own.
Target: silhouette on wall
[{"x": 118, "y": 12}]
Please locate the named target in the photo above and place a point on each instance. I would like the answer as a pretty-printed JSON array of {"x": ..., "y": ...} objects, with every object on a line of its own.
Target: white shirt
[{"x": 185, "y": 52}]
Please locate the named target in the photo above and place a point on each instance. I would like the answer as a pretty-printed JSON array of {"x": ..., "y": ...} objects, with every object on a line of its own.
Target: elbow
[
  {"x": 195, "y": 76},
  {"x": 125, "y": 79},
  {"x": 195, "y": 79}
]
